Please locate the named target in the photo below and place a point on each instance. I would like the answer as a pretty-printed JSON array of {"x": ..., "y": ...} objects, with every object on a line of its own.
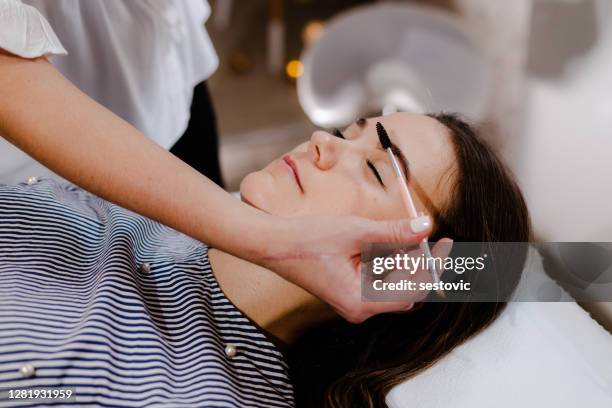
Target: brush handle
[
  {"x": 434, "y": 272},
  {"x": 412, "y": 212},
  {"x": 407, "y": 198},
  {"x": 403, "y": 184}
]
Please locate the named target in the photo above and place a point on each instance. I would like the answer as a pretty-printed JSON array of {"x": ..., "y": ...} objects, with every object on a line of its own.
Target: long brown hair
[{"x": 349, "y": 366}]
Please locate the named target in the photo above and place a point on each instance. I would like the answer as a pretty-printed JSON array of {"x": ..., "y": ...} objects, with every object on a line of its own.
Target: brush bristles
[{"x": 383, "y": 136}]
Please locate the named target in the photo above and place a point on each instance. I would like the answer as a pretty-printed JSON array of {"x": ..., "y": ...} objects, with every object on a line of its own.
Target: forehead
[{"x": 427, "y": 145}]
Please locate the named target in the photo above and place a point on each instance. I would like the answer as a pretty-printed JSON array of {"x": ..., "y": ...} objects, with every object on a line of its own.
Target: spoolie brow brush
[{"x": 385, "y": 141}]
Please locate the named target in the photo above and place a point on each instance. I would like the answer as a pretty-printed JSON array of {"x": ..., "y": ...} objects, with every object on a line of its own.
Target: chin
[
  {"x": 260, "y": 190},
  {"x": 254, "y": 190}
]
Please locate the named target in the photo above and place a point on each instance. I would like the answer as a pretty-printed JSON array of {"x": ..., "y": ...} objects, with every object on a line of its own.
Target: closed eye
[
  {"x": 339, "y": 134},
  {"x": 376, "y": 173}
]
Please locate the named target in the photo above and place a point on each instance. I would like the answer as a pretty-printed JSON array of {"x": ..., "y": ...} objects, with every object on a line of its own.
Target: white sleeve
[{"x": 25, "y": 32}]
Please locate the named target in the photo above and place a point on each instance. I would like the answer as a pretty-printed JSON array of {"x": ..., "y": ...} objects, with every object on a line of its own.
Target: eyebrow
[
  {"x": 397, "y": 152},
  {"x": 431, "y": 208},
  {"x": 420, "y": 192},
  {"x": 362, "y": 122}
]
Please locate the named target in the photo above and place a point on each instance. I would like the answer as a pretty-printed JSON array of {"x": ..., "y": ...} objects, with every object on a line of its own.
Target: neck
[{"x": 274, "y": 304}]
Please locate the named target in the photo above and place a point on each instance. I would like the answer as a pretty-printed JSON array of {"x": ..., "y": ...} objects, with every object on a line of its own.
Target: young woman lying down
[{"x": 128, "y": 312}]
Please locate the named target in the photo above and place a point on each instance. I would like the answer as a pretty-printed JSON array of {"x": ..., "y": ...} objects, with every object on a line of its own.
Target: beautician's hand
[
  {"x": 322, "y": 255},
  {"x": 53, "y": 121}
]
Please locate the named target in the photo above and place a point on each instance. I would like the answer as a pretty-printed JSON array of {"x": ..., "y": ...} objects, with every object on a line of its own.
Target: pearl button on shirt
[
  {"x": 230, "y": 350},
  {"x": 27, "y": 371}
]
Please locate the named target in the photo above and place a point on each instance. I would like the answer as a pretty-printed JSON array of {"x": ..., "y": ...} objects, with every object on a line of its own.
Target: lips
[{"x": 294, "y": 169}]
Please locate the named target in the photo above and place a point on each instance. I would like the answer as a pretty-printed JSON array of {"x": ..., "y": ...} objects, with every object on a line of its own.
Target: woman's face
[{"x": 329, "y": 175}]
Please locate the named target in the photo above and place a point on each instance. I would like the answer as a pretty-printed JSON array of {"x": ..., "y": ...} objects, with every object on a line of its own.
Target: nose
[{"x": 324, "y": 149}]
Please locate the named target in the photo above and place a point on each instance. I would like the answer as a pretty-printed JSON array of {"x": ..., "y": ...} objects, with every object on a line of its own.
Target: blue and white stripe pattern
[{"x": 125, "y": 310}]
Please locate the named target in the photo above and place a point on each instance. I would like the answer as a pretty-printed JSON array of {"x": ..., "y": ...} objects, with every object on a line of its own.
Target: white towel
[{"x": 533, "y": 355}]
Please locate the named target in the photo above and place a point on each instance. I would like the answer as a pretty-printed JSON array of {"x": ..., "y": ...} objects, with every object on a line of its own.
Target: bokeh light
[
  {"x": 294, "y": 69},
  {"x": 312, "y": 32}
]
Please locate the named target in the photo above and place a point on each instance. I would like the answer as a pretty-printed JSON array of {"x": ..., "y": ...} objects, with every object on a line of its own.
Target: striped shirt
[{"x": 121, "y": 309}]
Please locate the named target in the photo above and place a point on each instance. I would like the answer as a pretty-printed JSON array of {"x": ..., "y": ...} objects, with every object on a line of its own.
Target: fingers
[
  {"x": 442, "y": 250},
  {"x": 424, "y": 275},
  {"x": 367, "y": 310},
  {"x": 419, "y": 281},
  {"x": 389, "y": 307},
  {"x": 400, "y": 231}
]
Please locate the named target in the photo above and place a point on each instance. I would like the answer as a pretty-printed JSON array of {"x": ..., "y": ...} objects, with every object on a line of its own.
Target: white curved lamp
[{"x": 416, "y": 58}]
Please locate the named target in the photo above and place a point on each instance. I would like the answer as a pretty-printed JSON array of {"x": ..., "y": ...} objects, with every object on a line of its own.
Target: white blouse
[{"x": 139, "y": 58}]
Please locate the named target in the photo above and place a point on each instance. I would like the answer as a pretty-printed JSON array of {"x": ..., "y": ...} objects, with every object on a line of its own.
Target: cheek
[
  {"x": 378, "y": 206},
  {"x": 389, "y": 209},
  {"x": 263, "y": 191},
  {"x": 371, "y": 201},
  {"x": 341, "y": 196},
  {"x": 257, "y": 189},
  {"x": 302, "y": 147}
]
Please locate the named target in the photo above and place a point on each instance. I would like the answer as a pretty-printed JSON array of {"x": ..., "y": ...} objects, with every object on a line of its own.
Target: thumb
[{"x": 404, "y": 231}]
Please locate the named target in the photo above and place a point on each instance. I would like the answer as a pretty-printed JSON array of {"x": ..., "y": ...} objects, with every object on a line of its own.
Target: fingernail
[{"x": 420, "y": 224}]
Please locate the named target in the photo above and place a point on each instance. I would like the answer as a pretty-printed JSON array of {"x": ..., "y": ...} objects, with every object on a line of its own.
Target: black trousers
[{"x": 199, "y": 145}]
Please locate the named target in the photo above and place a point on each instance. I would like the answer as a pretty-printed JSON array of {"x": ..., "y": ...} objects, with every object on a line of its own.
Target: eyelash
[{"x": 339, "y": 134}]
